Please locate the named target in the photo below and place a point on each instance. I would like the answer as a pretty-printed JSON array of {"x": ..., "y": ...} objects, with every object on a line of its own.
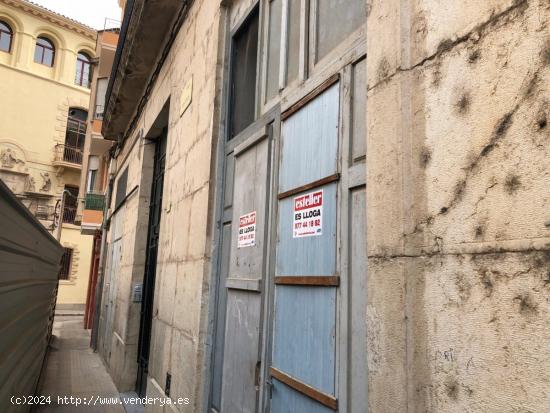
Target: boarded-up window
[
  {"x": 336, "y": 20},
  {"x": 243, "y": 75},
  {"x": 66, "y": 264},
  {"x": 121, "y": 188},
  {"x": 274, "y": 48}
]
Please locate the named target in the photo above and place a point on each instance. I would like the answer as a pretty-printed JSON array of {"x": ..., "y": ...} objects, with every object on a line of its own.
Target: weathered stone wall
[
  {"x": 181, "y": 291},
  {"x": 458, "y": 156},
  {"x": 125, "y": 266}
]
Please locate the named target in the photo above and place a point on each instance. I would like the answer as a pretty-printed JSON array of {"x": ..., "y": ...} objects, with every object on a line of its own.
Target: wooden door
[
  {"x": 244, "y": 283},
  {"x": 304, "y": 337}
]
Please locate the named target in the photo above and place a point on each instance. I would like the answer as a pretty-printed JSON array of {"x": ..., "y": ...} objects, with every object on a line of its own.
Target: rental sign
[
  {"x": 308, "y": 215},
  {"x": 247, "y": 230}
]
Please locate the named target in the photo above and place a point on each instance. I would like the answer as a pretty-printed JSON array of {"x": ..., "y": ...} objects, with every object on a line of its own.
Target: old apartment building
[
  {"x": 330, "y": 205},
  {"x": 45, "y": 67},
  {"x": 94, "y": 180}
]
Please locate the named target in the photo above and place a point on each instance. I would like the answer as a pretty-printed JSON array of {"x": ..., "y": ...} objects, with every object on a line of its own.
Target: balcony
[
  {"x": 69, "y": 215},
  {"x": 43, "y": 212},
  {"x": 66, "y": 156},
  {"x": 92, "y": 215},
  {"x": 97, "y": 120},
  {"x": 40, "y": 208},
  {"x": 94, "y": 201}
]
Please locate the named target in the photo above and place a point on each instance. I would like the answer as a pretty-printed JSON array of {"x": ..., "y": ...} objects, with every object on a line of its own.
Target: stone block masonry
[{"x": 458, "y": 238}]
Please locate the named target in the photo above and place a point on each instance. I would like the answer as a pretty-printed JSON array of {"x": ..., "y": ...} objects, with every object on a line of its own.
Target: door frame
[
  {"x": 313, "y": 92},
  {"x": 338, "y": 63},
  {"x": 149, "y": 277},
  {"x": 247, "y": 138}
]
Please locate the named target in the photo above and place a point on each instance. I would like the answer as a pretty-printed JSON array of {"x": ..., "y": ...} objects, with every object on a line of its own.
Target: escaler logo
[
  {"x": 308, "y": 215},
  {"x": 247, "y": 230}
]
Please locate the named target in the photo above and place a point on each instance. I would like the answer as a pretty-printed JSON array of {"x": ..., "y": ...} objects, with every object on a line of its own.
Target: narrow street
[
  {"x": 73, "y": 369},
  {"x": 275, "y": 206}
]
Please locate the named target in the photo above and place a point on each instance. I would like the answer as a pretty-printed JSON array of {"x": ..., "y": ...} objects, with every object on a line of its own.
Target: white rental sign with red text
[
  {"x": 247, "y": 230},
  {"x": 308, "y": 215}
]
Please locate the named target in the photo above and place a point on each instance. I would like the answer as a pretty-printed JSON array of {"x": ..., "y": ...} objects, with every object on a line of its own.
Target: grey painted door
[
  {"x": 304, "y": 338},
  {"x": 291, "y": 328},
  {"x": 111, "y": 285},
  {"x": 245, "y": 276}
]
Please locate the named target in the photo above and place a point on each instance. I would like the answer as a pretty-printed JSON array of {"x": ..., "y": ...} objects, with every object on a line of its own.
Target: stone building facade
[
  {"x": 329, "y": 206},
  {"x": 457, "y": 217},
  {"x": 45, "y": 61}
]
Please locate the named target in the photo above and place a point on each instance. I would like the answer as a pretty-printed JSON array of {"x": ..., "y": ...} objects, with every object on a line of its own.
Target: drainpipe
[{"x": 100, "y": 271}]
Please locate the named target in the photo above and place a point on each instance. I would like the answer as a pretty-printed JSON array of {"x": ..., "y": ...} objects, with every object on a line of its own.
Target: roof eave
[{"x": 145, "y": 31}]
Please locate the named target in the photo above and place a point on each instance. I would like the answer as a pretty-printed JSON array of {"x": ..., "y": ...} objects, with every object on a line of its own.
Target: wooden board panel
[
  {"x": 229, "y": 176},
  {"x": 241, "y": 351},
  {"x": 244, "y": 280},
  {"x": 309, "y": 186},
  {"x": 306, "y": 279},
  {"x": 245, "y": 284},
  {"x": 251, "y": 171},
  {"x": 286, "y": 400},
  {"x": 310, "y": 141},
  {"x": 311, "y": 280},
  {"x": 359, "y": 110},
  {"x": 111, "y": 285},
  {"x": 358, "y": 301},
  {"x": 311, "y": 255},
  {"x": 304, "y": 335},
  {"x": 305, "y": 389},
  {"x": 220, "y": 331}
]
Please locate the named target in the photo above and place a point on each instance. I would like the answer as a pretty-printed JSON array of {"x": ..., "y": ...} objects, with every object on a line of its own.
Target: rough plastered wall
[{"x": 458, "y": 156}]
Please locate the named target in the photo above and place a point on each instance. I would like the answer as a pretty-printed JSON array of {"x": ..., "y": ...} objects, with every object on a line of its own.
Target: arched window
[
  {"x": 6, "y": 36},
  {"x": 83, "y": 72},
  {"x": 44, "y": 52}
]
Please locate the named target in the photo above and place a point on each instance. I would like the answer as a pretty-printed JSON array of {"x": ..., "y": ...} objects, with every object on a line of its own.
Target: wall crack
[{"x": 448, "y": 45}]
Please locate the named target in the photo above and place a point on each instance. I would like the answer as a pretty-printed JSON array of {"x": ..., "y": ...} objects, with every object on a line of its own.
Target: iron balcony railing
[
  {"x": 69, "y": 215},
  {"x": 94, "y": 201},
  {"x": 43, "y": 212},
  {"x": 69, "y": 154}
]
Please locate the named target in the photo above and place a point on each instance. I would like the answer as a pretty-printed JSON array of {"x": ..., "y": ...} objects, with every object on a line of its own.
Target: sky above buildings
[{"x": 92, "y": 13}]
